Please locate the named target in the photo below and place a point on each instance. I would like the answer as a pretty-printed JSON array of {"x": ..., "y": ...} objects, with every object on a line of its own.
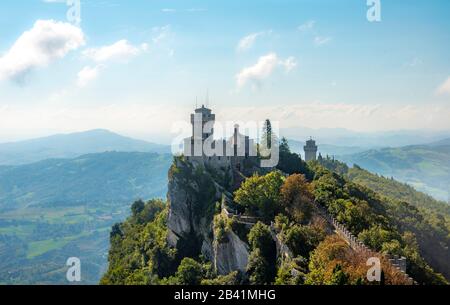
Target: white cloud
[
  {"x": 265, "y": 66},
  {"x": 168, "y": 10},
  {"x": 321, "y": 40},
  {"x": 47, "y": 41},
  {"x": 121, "y": 50},
  {"x": 444, "y": 88},
  {"x": 248, "y": 41},
  {"x": 289, "y": 64},
  {"x": 307, "y": 26},
  {"x": 161, "y": 33},
  {"x": 87, "y": 75}
]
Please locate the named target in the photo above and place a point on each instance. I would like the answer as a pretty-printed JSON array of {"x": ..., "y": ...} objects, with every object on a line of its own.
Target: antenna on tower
[
  {"x": 207, "y": 98},
  {"x": 196, "y": 102}
]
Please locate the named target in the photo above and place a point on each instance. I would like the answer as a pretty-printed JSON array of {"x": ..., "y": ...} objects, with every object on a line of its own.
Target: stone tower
[
  {"x": 310, "y": 150},
  {"x": 205, "y": 116},
  {"x": 202, "y": 116}
]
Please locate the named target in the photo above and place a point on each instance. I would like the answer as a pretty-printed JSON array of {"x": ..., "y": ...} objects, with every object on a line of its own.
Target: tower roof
[
  {"x": 310, "y": 142},
  {"x": 203, "y": 109}
]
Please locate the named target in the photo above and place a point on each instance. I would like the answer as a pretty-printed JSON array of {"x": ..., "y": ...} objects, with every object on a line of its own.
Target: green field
[{"x": 35, "y": 243}]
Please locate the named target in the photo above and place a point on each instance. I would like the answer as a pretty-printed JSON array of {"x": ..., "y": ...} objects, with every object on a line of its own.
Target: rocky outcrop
[
  {"x": 193, "y": 192},
  {"x": 231, "y": 255}
]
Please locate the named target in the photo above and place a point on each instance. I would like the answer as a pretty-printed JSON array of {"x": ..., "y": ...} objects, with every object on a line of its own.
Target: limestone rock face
[
  {"x": 192, "y": 197},
  {"x": 193, "y": 191},
  {"x": 179, "y": 220},
  {"x": 232, "y": 255}
]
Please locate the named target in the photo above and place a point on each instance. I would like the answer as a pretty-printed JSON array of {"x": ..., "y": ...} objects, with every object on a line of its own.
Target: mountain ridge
[
  {"x": 426, "y": 167},
  {"x": 101, "y": 177},
  {"x": 73, "y": 145}
]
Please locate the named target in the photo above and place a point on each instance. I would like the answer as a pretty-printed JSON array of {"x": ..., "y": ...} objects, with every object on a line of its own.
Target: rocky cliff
[
  {"x": 195, "y": 193},
  {"x": 231, "y": 255}
]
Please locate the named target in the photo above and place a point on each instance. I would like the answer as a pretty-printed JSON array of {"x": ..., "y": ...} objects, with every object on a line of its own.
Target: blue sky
[{"x": 136, "y": 66}]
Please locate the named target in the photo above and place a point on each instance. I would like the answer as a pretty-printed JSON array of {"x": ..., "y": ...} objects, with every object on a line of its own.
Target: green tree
[
  {"x": 266, "y": 140},
  {"x": 262, "y": 260},
  {"x": 137, "y": 207},
  {"x": 258, "y": 269},
  {"x": 339, "y": 277},
  {"x": 189, "y": 272},
  {"x": 291, "y": 163},
  {"x": 302, "y": 239},
  {"x": 259, "y": 237},
  {"x": 297, "y": 198},
  {"x": 376, "y": 236},
  {"x": 260, "y": 195}
]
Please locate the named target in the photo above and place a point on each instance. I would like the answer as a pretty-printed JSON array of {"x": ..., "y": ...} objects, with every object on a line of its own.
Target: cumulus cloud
[
  {"x": 121, "y": 50},
  {"x": 87, "y": 75},
  {"x": 444, "y": 88},
  {"x": 45, "y": 42},
  {"x": 248, "y": 41},
  {"x": 265, "y": 66}
]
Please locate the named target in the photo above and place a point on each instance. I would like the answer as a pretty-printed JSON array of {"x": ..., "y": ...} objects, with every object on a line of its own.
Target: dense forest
[
  {"x": 283, "y": 203},
  {"x": 411, "y": 210}
]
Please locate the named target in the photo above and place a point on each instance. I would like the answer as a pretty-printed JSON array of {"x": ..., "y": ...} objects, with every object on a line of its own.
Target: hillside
[
  {"x": 428, "y": 218},
  {"x": 71, "y": 146},
  {"x": 88, "y": 179},
  {"x": 55, "y": 209},
  {"x": 426, "y": 167},
  {"x": 443, "y": 142},
  {"x": 273, "y": 228}
]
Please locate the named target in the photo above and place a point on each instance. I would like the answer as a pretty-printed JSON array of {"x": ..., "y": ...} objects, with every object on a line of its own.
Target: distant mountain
[
  {"x": 349, "y": 138},
  {"x": 88, "y": 179},
  {"x": 73, "y": 145},
  {"x": 426, "y": 167},
  {"x": 444, "y": 142}
]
